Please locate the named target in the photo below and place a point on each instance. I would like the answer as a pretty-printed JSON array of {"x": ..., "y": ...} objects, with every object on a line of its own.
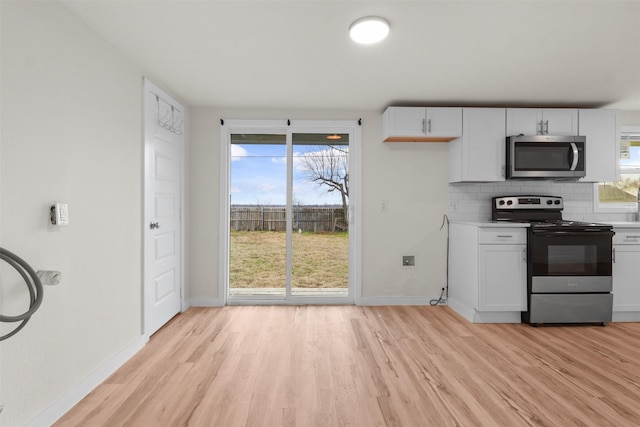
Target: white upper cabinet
[
  {"x": 420, "y": 124},
  {"x": 444, "y": 121},
  {"x": 542, "y": 121},
  {"x": 480, "y": 154},
  {"x": 602, "y": 148}
]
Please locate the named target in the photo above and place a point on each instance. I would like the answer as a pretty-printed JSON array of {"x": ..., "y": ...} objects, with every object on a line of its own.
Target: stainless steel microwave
[{"x": 545, "y": 157}]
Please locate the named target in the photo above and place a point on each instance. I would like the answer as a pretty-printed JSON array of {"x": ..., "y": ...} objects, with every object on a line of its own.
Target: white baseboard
[
  {"x": 497, "y": 317},
  {"x": 396, "y": 300},
  {"x": 378, "y": 300},
  {"x": 626, "y": 316},
  {"x": 206, "y": 302},
  {"x": 474, "y": 316},
  {"x": 461, "y": 309},
  {"x": 77, "y": 393}
]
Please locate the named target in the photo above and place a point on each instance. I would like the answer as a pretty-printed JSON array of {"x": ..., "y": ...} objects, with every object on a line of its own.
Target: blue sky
[
  {"x": 634, "y": 157},
  {"x": 258, "y": 176}
]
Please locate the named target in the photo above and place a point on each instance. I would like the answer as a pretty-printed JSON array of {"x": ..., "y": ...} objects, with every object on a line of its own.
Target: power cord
[
  {"x": 34, "y": 286},
  {"x": 444, "y": 294}
]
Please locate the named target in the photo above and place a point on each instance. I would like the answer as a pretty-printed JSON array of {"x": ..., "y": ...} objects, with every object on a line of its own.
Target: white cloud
[
  {"x": 299, "y": 165},
  {"x": 266, "y": 188},
  {"x": 237, "y": 151}
]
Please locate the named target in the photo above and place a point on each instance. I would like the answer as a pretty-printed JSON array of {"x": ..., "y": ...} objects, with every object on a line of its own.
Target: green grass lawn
[{"x": 257, "y": 260}]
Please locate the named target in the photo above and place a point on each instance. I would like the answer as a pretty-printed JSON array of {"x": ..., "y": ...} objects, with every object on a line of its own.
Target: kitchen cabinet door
[
  {"x": 421, "y": 124},
  {"x": 626, "y": 270},
  {"x": 626, "y": 278},
  {"x": 524, "y": 121},
  {"x": 560, "y": 121},
  {"x": 480, "y": 154},
  {"x": 405, "y": 121},
  {"x": 602, "y": 130},
  {"x": 503, "y": 278},
  {"x": 444, "y": 121},
  {"x": 542, "y": 121}
]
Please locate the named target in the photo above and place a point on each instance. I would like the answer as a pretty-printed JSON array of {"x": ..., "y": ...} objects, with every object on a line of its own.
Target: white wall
[
  {"x": 411, "y": 177},
  {"x": 630, "y": 118},
  {"x": 71, "y": 131}
]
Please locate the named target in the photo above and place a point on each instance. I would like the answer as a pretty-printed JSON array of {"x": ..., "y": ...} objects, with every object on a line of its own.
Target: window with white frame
[{"x": 622, "y": 196}]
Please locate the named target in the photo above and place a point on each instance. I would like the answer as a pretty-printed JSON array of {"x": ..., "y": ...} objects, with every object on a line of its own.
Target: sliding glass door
[
  {"x": 320, "y": 238},
  {"x": 257, "y": 216},
  {"x": 289, "y": 215}
]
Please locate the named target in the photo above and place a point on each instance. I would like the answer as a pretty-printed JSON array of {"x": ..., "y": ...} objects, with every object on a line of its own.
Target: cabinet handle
[
  {"x": 632, "y": 237},
  {"x": 539, "y": 128},
  {"x": 504, "y": 236},
  {"x": 429, "y": 125},
  {"x": 546, "y": 127},
  {"x": 613, "y": 255},
  {"x": 524, "y": 255},
  {"x": 424, "y": 126}
]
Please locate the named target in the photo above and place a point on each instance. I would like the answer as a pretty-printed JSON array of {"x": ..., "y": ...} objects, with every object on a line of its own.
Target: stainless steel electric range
[{"x": 568, "y": 262}]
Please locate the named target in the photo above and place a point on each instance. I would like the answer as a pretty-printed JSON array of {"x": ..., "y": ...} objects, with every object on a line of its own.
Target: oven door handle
[
  {"x": 574, "y": 163},
  {"x": 548, "y": 233}
]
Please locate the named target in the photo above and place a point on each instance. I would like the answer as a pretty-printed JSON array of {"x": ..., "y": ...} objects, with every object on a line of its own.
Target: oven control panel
[{"x": 527, "y": 202}]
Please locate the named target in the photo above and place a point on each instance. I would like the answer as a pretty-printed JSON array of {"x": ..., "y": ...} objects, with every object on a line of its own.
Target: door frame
[
  {"x": 353, "y": 128},
  {"x": 147, "y": 209}
]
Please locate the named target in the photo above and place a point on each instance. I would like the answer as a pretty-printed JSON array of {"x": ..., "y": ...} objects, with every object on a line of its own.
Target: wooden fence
[{"x": 273, "y": 218}]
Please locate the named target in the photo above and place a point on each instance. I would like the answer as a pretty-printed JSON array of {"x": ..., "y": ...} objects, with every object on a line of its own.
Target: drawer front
[
  {"x": 630, "y": 236},
  {"x": 506, "y": 236}
]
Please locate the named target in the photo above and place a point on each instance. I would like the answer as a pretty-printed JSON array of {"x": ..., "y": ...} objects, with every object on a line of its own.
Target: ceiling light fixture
[
  {"x": 335, "y": 136},
  {"x": 368, "y": 30}
]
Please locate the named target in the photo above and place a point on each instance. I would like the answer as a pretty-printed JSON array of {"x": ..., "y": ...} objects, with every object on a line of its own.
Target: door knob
[{"x": 154, "y": 225}]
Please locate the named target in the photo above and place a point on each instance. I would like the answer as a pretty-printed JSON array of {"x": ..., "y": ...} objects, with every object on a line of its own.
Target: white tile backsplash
[{"x": 473, "y": 200}]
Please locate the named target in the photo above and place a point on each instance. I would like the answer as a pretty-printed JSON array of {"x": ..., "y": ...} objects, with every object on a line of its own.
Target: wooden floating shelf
[{"x": 420, "y": 138}]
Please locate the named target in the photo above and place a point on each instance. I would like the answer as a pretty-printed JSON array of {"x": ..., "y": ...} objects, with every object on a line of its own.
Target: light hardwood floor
[{"x": 369, "y": 366}]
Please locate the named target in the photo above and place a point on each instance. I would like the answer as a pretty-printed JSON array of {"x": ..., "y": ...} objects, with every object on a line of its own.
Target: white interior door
[{"x": 164, "y": 123}]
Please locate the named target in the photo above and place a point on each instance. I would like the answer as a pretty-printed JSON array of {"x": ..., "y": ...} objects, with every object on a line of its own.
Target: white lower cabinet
[
  {"x": 503, "y": 278},
  {"x": 626, "y": 274},
  {"x": 487, "y": 272}
]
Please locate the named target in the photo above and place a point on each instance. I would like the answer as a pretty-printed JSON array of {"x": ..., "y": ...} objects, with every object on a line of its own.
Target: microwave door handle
[{"x": 574, "y": 164}]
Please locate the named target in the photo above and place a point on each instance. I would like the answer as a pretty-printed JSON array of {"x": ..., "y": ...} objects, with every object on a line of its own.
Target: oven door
[{"x": 570, "y": 261}]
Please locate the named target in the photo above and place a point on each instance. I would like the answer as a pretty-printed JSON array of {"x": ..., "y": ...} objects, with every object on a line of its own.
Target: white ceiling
[{"x": 297, "y": 54}]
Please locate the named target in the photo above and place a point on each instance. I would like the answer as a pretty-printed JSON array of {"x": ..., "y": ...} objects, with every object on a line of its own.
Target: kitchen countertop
[
  {"x": 496, "y": 224},
  {"x": 504, "y": 224}
]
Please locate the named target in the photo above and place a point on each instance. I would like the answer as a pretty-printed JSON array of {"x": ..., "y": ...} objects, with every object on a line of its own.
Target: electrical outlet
[
  {"x": 408, "y": 260},
  {"x": 384, "y": 206},
  {"x": 453, "y": 206}
]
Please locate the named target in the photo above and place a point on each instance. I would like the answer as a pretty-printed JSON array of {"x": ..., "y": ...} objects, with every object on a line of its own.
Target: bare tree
[{"x": 329, "y": 167}]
